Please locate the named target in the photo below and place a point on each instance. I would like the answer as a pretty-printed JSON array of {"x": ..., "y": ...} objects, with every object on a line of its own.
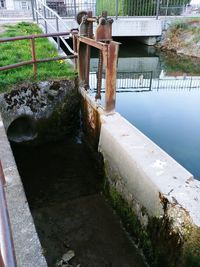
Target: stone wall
[{"x": 43, "y": 110}]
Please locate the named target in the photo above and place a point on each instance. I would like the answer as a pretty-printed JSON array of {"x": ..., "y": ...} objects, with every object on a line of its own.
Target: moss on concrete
[
  {"x": 160, "y": 243},
  {"x": 191, "y": 250},
  {"x": 64, "y": 120}
]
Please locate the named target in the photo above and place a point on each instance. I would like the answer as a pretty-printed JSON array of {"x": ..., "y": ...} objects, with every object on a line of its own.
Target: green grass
[
  {"x": 110, "y": 6},
  {"x": 19, "y": 51}
]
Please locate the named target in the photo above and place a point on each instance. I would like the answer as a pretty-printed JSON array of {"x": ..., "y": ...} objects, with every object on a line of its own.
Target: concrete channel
[
  {"x": 162, "y": 195},
  {"x": 55, "y": 201},
  {"x": 157, "y": 199}
]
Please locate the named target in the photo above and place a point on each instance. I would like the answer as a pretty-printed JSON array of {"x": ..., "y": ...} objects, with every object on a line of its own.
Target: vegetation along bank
[{"x": 182, "y": 37}]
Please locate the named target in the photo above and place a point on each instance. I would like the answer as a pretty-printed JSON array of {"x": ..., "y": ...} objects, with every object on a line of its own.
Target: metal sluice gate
[{"x": 83, "y": 40}]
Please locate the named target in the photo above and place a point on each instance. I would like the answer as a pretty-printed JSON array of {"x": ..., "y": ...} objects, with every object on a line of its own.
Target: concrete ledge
[
  {"x": 146, "y": 169},
  {"x": 27, "y": 245},
  {"x": 152, "y": 192}
]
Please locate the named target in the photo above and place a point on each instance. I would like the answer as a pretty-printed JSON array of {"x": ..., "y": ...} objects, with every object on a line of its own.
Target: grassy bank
[
  {"x": 18, "y": 51},
  {"x": 183, "y": 37}
]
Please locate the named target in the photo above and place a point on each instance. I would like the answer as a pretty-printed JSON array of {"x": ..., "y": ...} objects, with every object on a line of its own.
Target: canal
[
  {"x": 63, "y": 185},
  {"x": 159, "y": 93}
]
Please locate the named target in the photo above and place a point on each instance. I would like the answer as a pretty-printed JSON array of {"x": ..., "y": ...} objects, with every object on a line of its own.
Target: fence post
[
  {"x": 75, "y": 9},
  {"x": 45, "y": 23},
  {"x": 32, "y": 8},
  {"x": 57, "y": 28},
  {"x": 34, "y": 57},
  {"x": 111, "y": 76},
  {"x": 36, "y": 10},
  {"x": 117, "y": 9},
  {"x": 157, "y": 9}
]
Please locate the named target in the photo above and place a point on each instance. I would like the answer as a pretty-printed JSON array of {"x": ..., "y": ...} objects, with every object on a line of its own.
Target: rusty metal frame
[
  {"x": 108, "y": 56},
  {"x": 7, "y": 254},
  {"x": 34, "y": 60}
]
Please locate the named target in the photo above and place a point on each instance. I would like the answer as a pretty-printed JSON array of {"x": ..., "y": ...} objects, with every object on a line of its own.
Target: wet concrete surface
[{"x": 63, "y": 187}]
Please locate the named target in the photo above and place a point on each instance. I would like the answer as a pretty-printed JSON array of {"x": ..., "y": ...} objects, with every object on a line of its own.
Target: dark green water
[
  {"x": 169, "y": 116},
  {"x": 63, "y": 186}
]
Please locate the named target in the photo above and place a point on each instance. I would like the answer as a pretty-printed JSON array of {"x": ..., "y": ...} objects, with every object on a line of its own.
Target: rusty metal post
[
  {"x": 75, "y": 44},
  {"x": 34, "y": 57},
  {"x": 7, "y": 255},
  {"x": 88, "y": 49},
  {"x": 1, "y": 260},
  {"x": 99, "y": 75},
  {"x": 81, "y": 62},
  {"x": 111, "y": 76}
]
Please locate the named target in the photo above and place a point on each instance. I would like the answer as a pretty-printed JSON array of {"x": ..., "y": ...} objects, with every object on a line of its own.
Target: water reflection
[
  {"x": 160, "y": 95},
  {"x": 138, "y": 81}
]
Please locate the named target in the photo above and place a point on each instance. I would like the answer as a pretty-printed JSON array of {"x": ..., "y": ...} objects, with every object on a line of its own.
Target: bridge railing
[
  {"x": 7, "y": 254},
  {"x": 117, "y": 8}
]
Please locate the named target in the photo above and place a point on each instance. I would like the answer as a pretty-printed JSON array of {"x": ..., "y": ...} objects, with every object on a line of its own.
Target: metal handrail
[
  {"x": 39, "y": 12},
  {"x": 34, "y": 60},
  {"x": 7, "y": 254}
]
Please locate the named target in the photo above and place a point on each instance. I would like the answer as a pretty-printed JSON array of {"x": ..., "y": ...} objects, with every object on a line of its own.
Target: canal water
[
  {"x": 63, "y": 186},
  {"x": 160, "y": 95}
]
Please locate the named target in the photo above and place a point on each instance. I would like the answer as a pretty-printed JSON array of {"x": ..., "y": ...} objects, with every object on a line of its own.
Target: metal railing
[
  {"x": 142, "y": 8},
  {"x": 47, "y": 9},
  {"x": 50, "y": 19},
  {"x": 34, "y": 59},
  {"x": 144, "y": 81},
  {"x": 7, "y": 254},
  {"x": 125, "y": 81}
]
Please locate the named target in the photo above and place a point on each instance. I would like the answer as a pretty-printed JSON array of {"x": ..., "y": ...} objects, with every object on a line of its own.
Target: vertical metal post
[
  {"x": 7, "y": 255},
  {"x": 111, "y": 76},
  {"x": 45, "y": 23},
  {"x": 34, "y": 57},
  {"x": 82, "y": 62},
  {"x": 157, "y": 8},
  {"x": 32, "y": 8},
  {"x": 88, "y": 50},
  {"x": 151, "y": 78},
  {"x": 75, "y": 9},
  {"x": 75, "y": 49},
  {"x": 36, "y": 10},
  {"x": 57, "y": 28},
  {"x": 99, "y": 76},
  {"x": 117, "y": 9}
]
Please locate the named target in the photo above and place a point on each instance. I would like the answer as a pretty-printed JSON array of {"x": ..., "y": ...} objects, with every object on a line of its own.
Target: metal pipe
[
  {"x": 32, "y": 9},
  {"x": 21, "y": 64},
  {"x": 57, "y": 28},
  {"x": 45, "y": 22},
  {"x": 6, "y": 242},
  {"x": 33, "y": 36},
  {"x": 157, "y": 8},
  {"x": 117, "y": 11},
  {"x": 34, "y": 57},
  {"x": 75, "y": 9}
]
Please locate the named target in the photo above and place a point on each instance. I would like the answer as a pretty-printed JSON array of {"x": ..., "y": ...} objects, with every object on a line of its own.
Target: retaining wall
[
  {"x": 150, "y": 190},
  {"x": 26, "y": 242}
]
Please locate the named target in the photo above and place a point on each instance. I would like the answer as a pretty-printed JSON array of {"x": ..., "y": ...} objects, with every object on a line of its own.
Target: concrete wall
[
  {"x": 26, "y": 242},
  {"x": 154, "y": 186}
]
